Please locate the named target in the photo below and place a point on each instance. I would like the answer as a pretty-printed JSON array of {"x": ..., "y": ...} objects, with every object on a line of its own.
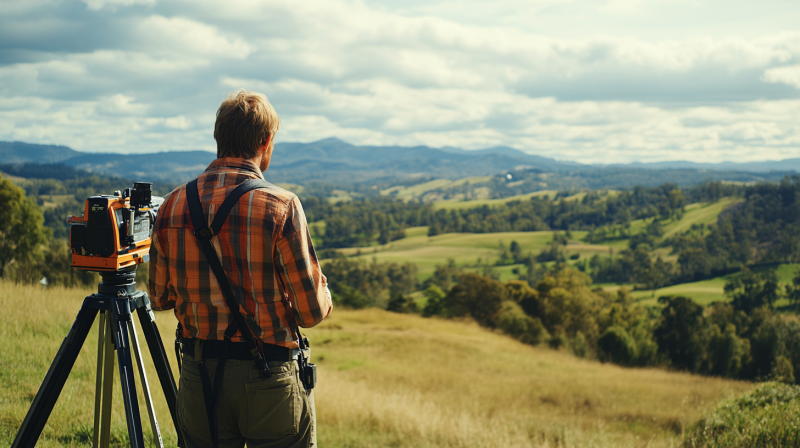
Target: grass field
[
  {"x": 712, "y": 290},
  {"x": 428, "y": 252},
  {"x": 460, "y": 205},
  {"x": 694, "y": 214},
  {"x": 698, "y": 214},
  {"x": 389, "y": 380}
]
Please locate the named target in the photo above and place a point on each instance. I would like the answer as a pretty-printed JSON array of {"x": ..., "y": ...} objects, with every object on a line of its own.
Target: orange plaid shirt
[{"x": 265, "y": 250}]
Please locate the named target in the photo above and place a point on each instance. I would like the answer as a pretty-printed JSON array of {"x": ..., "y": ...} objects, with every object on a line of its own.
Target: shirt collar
[{"x": 236, "y": 164}]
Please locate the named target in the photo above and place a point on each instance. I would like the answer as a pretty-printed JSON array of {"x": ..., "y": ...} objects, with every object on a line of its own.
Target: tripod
[{"x": 115, "y": 300}]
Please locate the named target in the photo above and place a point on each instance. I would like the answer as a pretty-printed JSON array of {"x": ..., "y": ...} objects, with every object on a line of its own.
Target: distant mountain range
[{"x": 333, "y": 160}]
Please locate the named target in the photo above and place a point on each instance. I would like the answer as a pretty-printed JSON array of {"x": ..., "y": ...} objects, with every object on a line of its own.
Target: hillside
[{"x": 390, "y": 380}]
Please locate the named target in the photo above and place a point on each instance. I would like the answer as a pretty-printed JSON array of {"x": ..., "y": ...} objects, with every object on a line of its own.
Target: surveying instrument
[{"x": 113, "y": 237}]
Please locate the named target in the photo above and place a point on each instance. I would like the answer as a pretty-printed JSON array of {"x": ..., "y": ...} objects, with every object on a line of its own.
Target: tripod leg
[
  {"x": 108, "y": 382},
  {"x": 161, "y": 362},
  {"x": 98, "y": 390},
  {"x": 54, "y": 381},
  {"x": 127, "y": 381},
  {"x": 148, "y": 399}
]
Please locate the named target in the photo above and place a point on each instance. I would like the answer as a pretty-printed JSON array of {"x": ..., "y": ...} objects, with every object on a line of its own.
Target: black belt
[{"x": 238, "y": 351}]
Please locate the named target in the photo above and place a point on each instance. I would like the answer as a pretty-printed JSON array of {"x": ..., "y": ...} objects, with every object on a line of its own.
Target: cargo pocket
[
  {"x": 191, "y": 403},
  {"x": 273, "y": 408}
]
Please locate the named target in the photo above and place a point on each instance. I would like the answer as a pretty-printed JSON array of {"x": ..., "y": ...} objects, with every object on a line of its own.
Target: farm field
[
  {"x": 712, "y": 290},
  {"x": 390, "y": 380},
  {"x": 696, "y": 214},
  {"x": 465, "y": 248},
  {"x": 459, "y": 205}
]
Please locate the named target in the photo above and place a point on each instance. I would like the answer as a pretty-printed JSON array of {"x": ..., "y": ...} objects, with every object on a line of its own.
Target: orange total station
[{"x": 115, "y": 231}]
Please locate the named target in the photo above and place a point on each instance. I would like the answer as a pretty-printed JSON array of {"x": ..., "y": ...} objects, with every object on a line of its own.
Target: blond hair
[{"x": 245, "y": 120}]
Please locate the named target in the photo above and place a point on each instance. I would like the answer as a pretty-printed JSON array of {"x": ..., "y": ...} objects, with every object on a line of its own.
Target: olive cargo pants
[{"x": 263, "y": 413}]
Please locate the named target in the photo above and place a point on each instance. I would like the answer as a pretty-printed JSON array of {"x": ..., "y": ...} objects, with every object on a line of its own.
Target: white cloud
[
  {"x": 121, "y": 105},
  {"x": 463, "y": 74},
  {"x": 787, "y": 75},
  {"x": 178, "y": 35},
  {"x": 100, "y": 4}
]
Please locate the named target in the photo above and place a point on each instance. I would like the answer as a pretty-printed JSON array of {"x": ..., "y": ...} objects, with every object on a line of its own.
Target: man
[{"x": 269, "y": 261}]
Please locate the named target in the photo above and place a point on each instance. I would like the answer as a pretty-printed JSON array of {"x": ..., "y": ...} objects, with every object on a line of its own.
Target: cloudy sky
[{"x": 587, "y": 80}]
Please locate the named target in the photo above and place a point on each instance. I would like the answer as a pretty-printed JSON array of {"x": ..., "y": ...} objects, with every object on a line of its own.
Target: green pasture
[
  {"x": 461, "y": 205},
  {"x": 703, "y": 292},
  {"x": 465, "y": 248},
  {"x": 698, "y": 214},
  {"x": 341, "y": 196},
  {"x": 694, "y": 214},
  {"x": 711, "y": 290}
]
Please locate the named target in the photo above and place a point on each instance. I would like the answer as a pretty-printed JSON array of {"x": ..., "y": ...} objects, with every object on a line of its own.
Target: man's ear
[{"x": 267, "y": 142}]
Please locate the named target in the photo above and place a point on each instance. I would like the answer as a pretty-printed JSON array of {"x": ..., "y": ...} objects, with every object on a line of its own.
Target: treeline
[
  {"x": 741, "y": 338},
  {"x": 366, "y": 220},
  {"x": 359, "y": 284},
  {"x": 363, "y": 221},
  {"x": 559, "y": 213}
]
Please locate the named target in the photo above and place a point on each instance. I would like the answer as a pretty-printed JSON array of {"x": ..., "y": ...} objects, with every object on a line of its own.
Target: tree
[
  {"x": 349, "y": 297},
  {"x": 793, "y": 289},
  {"x": 22, "y": 230},
  {"x": 402, "y": 304},
  {"x": 679, "y": 332},
  {"x": 749, "y": 290},
  {"x": 527, "y": 298},
  {"x": 617, "y": 346},
  {"x": 676, "y": 201},
  {"x": 513, "y": 320},
  {"x": 435, "y": 303},
  {"x": 476, "y": 296}
]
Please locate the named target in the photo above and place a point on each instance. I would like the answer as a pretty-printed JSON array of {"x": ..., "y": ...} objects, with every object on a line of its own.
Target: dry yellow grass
[
  {"x": 391, "y": 380},
  {"x": 402, "y": 380},
  {"x": 33, "y": 323}
]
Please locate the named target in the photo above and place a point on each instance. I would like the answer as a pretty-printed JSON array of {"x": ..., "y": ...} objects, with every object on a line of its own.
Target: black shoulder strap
[{"x": 204, "y": 235}]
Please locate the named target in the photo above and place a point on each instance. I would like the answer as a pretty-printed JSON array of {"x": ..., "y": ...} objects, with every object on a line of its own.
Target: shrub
[
  {"x": 402, "y": 304},
  {"x": 476, "y": 296},
  {"x": 513, "y": 320},
  {"x": 617, "y": 346},
  {"x": 349, "y": 297},
  {"x": 768, "y": 416}
]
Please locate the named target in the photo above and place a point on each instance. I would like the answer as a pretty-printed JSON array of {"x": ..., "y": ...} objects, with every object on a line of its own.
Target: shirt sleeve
[
  {"x": 299, "y": 269},
  {"x": 161, "y": 297}
]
